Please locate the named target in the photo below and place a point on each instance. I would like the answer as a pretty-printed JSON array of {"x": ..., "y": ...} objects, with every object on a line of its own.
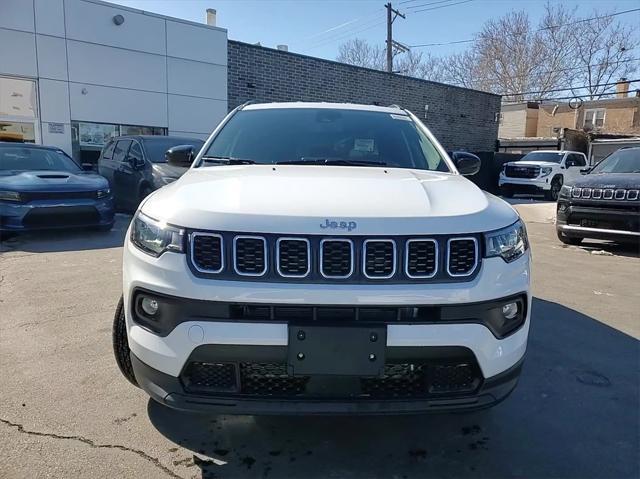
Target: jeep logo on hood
[{"x": 338, "y": 225}]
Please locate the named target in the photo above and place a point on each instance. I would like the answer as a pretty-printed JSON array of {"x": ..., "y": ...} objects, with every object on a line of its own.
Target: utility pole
[{"x": 391, "y": 16}]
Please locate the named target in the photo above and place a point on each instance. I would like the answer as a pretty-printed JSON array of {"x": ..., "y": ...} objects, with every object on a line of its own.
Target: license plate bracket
[{"x": 336, "y": 350}]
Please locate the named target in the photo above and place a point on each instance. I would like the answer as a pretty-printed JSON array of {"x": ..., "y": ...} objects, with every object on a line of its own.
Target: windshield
[
  {"x": 621, "y": 161},
  {"x": 157, "y": 147},
  {"x": 326, "y": 136},
  {"x": 549, "y": 156},
  {"x": 23, "y": 158}
]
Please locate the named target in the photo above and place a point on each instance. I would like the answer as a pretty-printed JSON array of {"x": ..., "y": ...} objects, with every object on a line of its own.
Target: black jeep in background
[
  {"x": 603, "y": 204},
  {"x": 136, "y": 165}
]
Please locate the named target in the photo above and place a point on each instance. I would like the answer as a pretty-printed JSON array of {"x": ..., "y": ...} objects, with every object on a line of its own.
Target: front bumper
[
  {"x": 56, "y": 214},
  {"x": 525, "y": 185},
  {"x": 159, "y": 361},
  {"x": 597, "y": 222}
]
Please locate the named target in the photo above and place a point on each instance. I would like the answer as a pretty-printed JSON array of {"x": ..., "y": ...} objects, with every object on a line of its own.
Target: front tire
[
  {"x": 570, "y": 240},
  {"x": 121, "y": 344},
  {"x": 553, "y": 193}
]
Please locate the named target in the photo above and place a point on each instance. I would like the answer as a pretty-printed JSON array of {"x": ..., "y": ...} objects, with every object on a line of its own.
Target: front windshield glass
[
  {"x": 23, "y": 158},
  {"x": 549, "y": 156},
  {"x": 324, "y": 135},
  {"x": 157, "y": 147},
  {"x": 621, "y": 161}
]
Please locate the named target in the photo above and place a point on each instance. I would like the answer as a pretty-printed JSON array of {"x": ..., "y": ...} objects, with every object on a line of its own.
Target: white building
[{"x": 76, "y": 72}]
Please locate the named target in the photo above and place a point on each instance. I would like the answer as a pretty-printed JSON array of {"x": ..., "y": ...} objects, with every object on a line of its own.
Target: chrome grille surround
[
  {"x": 278, "y": 247},
  {"x": 620, "y": 194},
  {"x": 193, "y": 237},
  {"x": 394, "y": 258},
  {"x": 476, "y": 251},
  {"x": 408, "y": 244},
  {"x": 633, "y": 195},
  {"x": 607, "y": 194},
  {"x": 322, "y": 254},
  {"x": 235, "y": 255}
]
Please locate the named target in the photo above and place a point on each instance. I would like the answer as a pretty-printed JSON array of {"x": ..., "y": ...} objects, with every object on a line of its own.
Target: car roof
[
  {"x": 28, "y": 145},
  {"x": 156, "y": 137},
  {"x": 337, "y": 106}
]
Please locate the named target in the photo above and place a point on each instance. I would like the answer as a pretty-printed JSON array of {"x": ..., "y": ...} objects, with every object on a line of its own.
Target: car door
[
  {"x": 105, "y": 162},
  {"x": 133, "y": 170},
  {"x": 574, "y": 162},
  {"x": 120, "y": 172}
]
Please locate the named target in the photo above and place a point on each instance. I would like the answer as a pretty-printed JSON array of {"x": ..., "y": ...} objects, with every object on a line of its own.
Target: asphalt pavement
[{"x": 67, "y": 412}]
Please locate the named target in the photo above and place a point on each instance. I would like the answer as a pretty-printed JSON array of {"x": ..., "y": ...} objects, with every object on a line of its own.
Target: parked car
[
  {"x": 605, "y": 203},
  {"x": 42, "y": 187},
  {"x": 136, "y": 165},
  {"x": 541, "y": 172},
  {"x": 324, "y": 258}
]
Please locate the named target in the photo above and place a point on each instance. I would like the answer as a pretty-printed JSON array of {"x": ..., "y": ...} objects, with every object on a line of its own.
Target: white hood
[{"x": 298, "y": 199}]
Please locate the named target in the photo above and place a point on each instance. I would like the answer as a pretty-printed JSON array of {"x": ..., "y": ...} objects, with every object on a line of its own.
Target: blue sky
[{"x": 318, "y": 27}]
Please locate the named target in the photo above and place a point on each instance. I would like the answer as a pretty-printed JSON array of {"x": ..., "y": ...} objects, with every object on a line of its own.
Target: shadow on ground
[
  {"x": 574, "y": 414},
  {"x": 76, "y": 239}
]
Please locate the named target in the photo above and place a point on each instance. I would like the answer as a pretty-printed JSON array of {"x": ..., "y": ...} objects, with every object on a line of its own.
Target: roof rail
[
  {"x": 396, "y": 106},
  {"x": 249, "y": 102}
]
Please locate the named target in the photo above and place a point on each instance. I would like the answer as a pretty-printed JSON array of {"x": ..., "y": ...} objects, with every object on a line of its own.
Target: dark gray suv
[{"x": 136, "y": 165}]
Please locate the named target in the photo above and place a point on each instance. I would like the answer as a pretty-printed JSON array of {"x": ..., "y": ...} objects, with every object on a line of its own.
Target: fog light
[
  {"x": 150, "y": 306},
  {"x": 510, "y": 310}
]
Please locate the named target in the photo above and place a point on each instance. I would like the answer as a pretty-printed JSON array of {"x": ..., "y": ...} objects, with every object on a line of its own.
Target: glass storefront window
[
  {"x": 18, "y": 110},
  {"x": 88, "y": 139}
]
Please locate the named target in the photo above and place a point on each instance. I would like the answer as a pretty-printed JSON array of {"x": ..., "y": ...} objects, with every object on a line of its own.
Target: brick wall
[{"x": 460, "y": 118}]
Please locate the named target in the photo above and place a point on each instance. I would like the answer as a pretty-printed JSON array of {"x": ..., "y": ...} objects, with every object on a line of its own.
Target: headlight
[
  {"x": 10, "y": 196},
  {"x": 103, "y": 193},
  {"x": 154, "y": 237},
  {"x": 545, "y": 171},
  {"x": 510, "y": 243},
  {"x": 565, "y": 192}
]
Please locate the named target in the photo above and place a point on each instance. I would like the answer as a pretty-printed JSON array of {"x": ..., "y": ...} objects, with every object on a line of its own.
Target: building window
[
  {"x": 594, "y": 118},
  {"x": 88, "y": 139},
  {"x": 19, "y": 110}
]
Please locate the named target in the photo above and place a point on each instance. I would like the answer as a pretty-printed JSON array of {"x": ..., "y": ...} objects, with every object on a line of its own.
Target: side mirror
[
  {"x": 181, "y": 155},
  {"x": 467, "y": 164}
]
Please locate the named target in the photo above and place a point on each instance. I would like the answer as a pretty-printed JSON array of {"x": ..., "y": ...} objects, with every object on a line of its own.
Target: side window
[
  {"x": 135, "y": 154},
  {"x": 576, "y": 160},
  {"x": 120, "y": 151},
  {"x": 107, "y": 152}
]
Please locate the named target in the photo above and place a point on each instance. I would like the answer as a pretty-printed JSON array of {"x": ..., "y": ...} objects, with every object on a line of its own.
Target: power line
[
  {"x": 538, "y": 30},
  {"x": 438, "y": 7},
  {"x": 540, "y": 100},
  {"x": 345, "y": 35},
  {"x": 577, "y": 68},
  {"x": 345, "y": 24},
  {"x": 426, "y": 4},
  {"x": 566, "y": 89}
]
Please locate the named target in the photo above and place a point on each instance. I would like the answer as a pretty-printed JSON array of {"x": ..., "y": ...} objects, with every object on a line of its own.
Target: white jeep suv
[
  {"x": 543, "y": 171},
  {"x": 323, "y": 258}
]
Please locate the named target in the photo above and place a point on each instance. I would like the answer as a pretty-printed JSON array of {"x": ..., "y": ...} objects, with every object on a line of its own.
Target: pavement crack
[{"x": 93, "y": 444}]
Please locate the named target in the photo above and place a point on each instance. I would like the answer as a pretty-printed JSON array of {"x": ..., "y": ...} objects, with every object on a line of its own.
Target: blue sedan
[{"x": 42, "y": 187}]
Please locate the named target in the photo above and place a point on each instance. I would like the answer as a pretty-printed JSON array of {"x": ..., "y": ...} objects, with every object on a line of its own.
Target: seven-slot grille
[
  {"x": 463, "y": 256},
  {"x": 293, "y": 257},
  {"x": 206, "y": 252},
  {"x": 250, "y": 255},
  {"x": 619, "y": 194},
  {"x": 422, "y": 258},
  {"x": 336, "y": 258},
  {"x": 379, "y": 258},
  {"x": 317, "y": 259}
]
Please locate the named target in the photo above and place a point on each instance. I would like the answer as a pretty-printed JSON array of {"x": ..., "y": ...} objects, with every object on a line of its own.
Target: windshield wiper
[
  {"x": 330, "y": 161},
  {"x": 227, "y": 160}
]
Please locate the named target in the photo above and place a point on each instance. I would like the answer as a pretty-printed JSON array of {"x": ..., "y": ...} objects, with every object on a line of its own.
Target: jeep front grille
[
  {"x": 319, "y": 259},
  {"x": 250, "y": 255},
  {"x": 336, "y": 258},
  {"x": 379, "y": 258},
  {"x": 463, "y": 256},
  {"x": 619, "y": 194},
  {"x": 421, "y": 258}
]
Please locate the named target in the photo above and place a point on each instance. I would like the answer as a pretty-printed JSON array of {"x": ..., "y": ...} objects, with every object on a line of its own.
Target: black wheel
[
  {"x": 506, "y": 191},
  {"x": 121, "y": 345},
  {"x": 572, "y": 240},
  {"x": 554, "y": 192}
]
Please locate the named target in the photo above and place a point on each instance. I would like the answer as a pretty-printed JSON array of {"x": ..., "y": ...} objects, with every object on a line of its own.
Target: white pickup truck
[
  {"x": 543, "y": 171},
  {"x": 323, "y": 258}
]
